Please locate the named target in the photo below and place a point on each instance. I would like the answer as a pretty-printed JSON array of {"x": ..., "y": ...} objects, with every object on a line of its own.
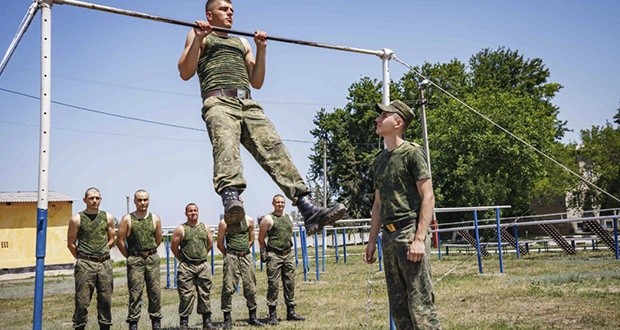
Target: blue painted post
[
  {"x": 344, "y": 245},
  {"x": 174, "y": 265},
  {"x": 40, "y": 267},
  {"x": 254, "y": 255},
  {"x": 499, "y": 241},
  {"x": 316, "y": 256},
  {"x": 392, "y": 325},
  {"x": 167, "y": 262},
  {"x": 212, "y": 261},
  {"x": 302, "y": 241},
  {"x": 515, "y": 231},
  {"x": 380, "y": 252},
  {"x": 323, "y": 249},
  {"x": 295, "y": 246},
  {"x": 477, "y": 241},
  {"x": 438, "y": 244},
  {"x": 616, "y": 237},
  {"x": 336, "y": 244}
]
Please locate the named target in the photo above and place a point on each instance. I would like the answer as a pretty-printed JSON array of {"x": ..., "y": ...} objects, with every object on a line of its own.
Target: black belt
[
  {"x": 195, "y": 262},
  {"x": 239, "y": 254},
  {"x": 398, "y": 225},
  {"x": 143, "y": 254},
  {"x": 278, "y": 251},
  {"x": 241, "y": 94},
  {"x": 94, "y": 258}
]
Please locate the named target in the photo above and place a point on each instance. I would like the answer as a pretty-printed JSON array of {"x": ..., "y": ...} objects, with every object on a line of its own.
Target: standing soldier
[
  {"x": 277, "y": 227},
  {"x": 89, "y": 238},
  {"x": 404, "y": 214},
  {"x": 142, "y": 230},
  {"x": 235, "y": 247},
  {"x": 191, "y": 243}
]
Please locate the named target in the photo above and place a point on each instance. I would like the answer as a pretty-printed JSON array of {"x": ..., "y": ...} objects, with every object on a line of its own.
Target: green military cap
[{"x": 399, "y": 108}]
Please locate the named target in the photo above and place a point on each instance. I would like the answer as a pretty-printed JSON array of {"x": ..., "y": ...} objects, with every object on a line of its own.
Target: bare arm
[
  {"x": 375, "y": 226},
  {"x": 123, "y": 229},
  {"x": 209, "y": 239},
  {"x": 72, "y": 232},
  {"x": 111, "y": 231},
  {"x": 188, "y": 63},
  {"x": 158, "y": 233},
  {"x": 221, "y": 235},
  {"x": 250, "y": 223},
  {"x": 177, "y": 237},
  {"x": 256, "y": 67},
  {"x": 263, "y": 228},
  {"x": 417, "y": 248}
]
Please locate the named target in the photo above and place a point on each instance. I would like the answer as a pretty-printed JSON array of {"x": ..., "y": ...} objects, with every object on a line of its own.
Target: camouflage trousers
[
  {"x": 410, "y": 286},
  {"x": 194, "y": 281},
  {"x": 280, "y": 266},
  {"x": 142, "y": 271},
  {"x": 231, "y": 122},
  {"x": 236, "y": 268},
  {"x": 91, "y": 276}
]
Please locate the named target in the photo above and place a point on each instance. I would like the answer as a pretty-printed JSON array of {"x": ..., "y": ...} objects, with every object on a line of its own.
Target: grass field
[{"x": 547, "y": 290}]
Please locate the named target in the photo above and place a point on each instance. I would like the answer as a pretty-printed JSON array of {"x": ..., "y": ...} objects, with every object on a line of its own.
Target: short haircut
[
  {"x": 210, "y": 3},
  {"x": 190, "y": 204},
  {"x": 278, "y": 195},
  {"x": 140, "y": 191},
  {"x": 91, "y": 189}
]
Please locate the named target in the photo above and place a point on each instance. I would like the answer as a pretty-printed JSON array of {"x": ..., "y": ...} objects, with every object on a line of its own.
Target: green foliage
[{"x": 473, "y": 161}]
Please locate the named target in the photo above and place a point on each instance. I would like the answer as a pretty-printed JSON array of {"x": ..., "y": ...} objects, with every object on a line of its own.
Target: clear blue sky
[{"x": 127, "y": 66}]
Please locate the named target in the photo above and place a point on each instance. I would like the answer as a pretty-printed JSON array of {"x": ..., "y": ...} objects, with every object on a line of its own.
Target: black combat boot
[
  {"x": 133, "y": 325},
  {"x": 253, "y": 321},
  {"x": 104, "y": 326},
  {"x": 184, "y": 323},
  {"x": 273, "y": 316},
  {"x": 292, "y": 316},
  {"x": 227, "y": 324},
  {"x": 233, "y": 208},
  {"x": 206, "y": 322},
  {"x": 316, "y": 217},
  {"x": 155, "y": 324},
  {"x": 81, "y": 327}
]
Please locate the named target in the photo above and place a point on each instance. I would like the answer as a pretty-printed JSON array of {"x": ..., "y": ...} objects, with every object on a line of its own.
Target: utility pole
[{"x": 324, "y": 173}]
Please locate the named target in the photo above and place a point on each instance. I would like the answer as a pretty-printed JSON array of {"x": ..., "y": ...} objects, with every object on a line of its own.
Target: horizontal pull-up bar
[{"x": 380, "y": 53}]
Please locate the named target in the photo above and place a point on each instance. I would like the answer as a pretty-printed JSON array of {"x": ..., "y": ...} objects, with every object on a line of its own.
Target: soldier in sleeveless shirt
[
  {"x": 191, "y": 244},
  {"x": 277, "y": 253},
  {"x": 89, "y": 238},
  {"x": 139, "y": 235},
  {"x": 226, "y": 69}
]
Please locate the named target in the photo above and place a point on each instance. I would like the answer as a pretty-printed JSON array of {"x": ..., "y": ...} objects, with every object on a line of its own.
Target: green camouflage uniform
[
  {"x": 231, "y": 121},
  {"x": 280, "y": 261},
  {"x": 410, "y": 287},
  {"x": 89, "y": 275},
  {"x": 194, "y": 274},
  {"x": 142, "y": 270},
  {"x": 238, "y": 264}
]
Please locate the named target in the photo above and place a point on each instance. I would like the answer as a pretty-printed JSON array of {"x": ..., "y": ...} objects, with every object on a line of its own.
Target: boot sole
[
  {"x": 234, "y": 216},
  {"x": 329, "y": 219}
]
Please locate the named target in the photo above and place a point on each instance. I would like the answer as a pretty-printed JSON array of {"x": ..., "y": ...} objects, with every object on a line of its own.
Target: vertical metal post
[
  {"x": 295, "y": 246},
  {"x": 167, "y": 262},
  {"x": 515, "y": 230},
  {"x": 499, "y": 241},
  {"x": 323, "y": 249},
  {"x": 32, "y": 10},
  {"x": 336, "y": 244},
  {"x": 380, "y": 252},
  {"x": 616, "y": 237},
  {"x": 324, "y": 173},
  {"x": 44, "y": 151},
  {"x": 316, "y": 257},
  {"x": 388, "y": 54},
  {"x": 344, "y": 245},
  {"x": 477, "y": 241}
]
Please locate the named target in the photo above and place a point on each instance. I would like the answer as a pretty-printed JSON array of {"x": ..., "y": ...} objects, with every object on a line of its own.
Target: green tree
[{"x": 473, "y": 161}]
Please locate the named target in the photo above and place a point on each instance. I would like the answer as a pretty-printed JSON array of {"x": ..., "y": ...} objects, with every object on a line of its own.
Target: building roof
[{"x": 31, "y": 197}]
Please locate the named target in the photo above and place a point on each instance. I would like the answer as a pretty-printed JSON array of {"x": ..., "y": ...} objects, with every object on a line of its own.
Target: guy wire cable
[{"x": 505, "y": 130}]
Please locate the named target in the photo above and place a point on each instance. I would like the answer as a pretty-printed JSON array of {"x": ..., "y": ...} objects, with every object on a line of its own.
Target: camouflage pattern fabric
[
  {"x": 281, "y": 266},
  {"x": 410, "y": 286},
  {"x": 279, "y": 236},
  {"x": 142, "y": 271},
  {"x": 142, "y": 237},
  {"x": 91, "y": 276},
  {"x": 194, "y": 281},
  {"x": 93, "y": 235},
  {"x": 395, "y": 175},
  {"x": 194, "y": 243},
  {"x": 231, "y": 122},
  {"x": 236, "y": 267},
  {"x": 222, "y": 64}
]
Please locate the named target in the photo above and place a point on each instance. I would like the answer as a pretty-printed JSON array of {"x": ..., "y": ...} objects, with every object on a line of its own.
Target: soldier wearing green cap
[{"x": 404, "y": 215}]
